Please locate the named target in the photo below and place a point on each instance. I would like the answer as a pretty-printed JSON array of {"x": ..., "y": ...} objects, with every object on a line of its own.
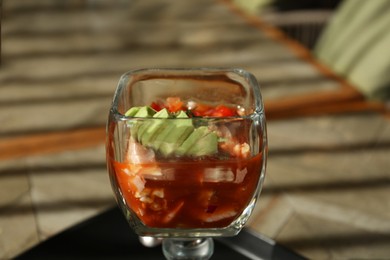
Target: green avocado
[
  {"x": 151, "y": 128},
  {"x": 201, "y": 142},
  {"x": 135, "y": 126},
  {"x": 132, "y": 111},
  {"x": 144, "y": 111},
  {"x": 207, "y": 145},
  {"x": 175, "y": 134},
  {"x": 171, "y": 134}
]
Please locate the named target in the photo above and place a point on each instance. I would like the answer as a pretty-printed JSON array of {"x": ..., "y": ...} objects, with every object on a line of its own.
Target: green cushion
[{"x": 356, "y": 44}]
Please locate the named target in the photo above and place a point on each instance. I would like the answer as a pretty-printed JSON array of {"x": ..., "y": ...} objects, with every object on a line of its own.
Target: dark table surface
[{"x": 108, "y": 236}]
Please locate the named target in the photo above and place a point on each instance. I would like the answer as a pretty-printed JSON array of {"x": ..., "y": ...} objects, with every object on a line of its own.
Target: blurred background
[
  {"x": 302, "y": 20},
  {"x": 323, "y": 67}
]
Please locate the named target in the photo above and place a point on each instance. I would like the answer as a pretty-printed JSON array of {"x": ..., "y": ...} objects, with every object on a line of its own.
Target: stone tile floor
[{"x": 327, "y": 187}]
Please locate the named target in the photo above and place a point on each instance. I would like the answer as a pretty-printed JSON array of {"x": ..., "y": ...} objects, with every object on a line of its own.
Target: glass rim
[{"x": 242, "y": 73}]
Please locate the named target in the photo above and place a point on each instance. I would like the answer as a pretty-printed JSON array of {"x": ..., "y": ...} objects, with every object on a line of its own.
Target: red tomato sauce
[{"x": 188, "y": 193}]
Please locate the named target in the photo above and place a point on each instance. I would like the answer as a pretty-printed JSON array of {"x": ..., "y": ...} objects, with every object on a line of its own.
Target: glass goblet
[{"x": 186, "y": 154}]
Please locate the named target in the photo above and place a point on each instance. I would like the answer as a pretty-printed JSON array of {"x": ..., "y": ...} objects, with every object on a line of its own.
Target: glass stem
[{"x": 188, "y": 248}]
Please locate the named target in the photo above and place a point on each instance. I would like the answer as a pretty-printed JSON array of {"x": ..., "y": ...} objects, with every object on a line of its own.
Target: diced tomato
[
  {"x": 223, "y": 111},
  {"x": 156, "y": 106},
  {"x": 218, "y": 111},
  {"x": 174, "y": 104},
  {"x": 201, "y": 110}
]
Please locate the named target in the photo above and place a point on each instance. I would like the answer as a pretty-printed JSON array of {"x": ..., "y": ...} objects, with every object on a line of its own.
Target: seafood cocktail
[{"x": 186, "y": 152}]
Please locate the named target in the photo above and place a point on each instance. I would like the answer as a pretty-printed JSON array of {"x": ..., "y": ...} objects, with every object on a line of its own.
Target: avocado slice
[
  {"x": 144, "y": 111},
  {"x": 177, "y": 133},
  {"x": 167, "y": 135},
  {"x": 132, "y": 111},
  {"x": 150, "y": 128},
  {"x": 207, "y": 145},
  {"x": 200, "y": 142}
]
